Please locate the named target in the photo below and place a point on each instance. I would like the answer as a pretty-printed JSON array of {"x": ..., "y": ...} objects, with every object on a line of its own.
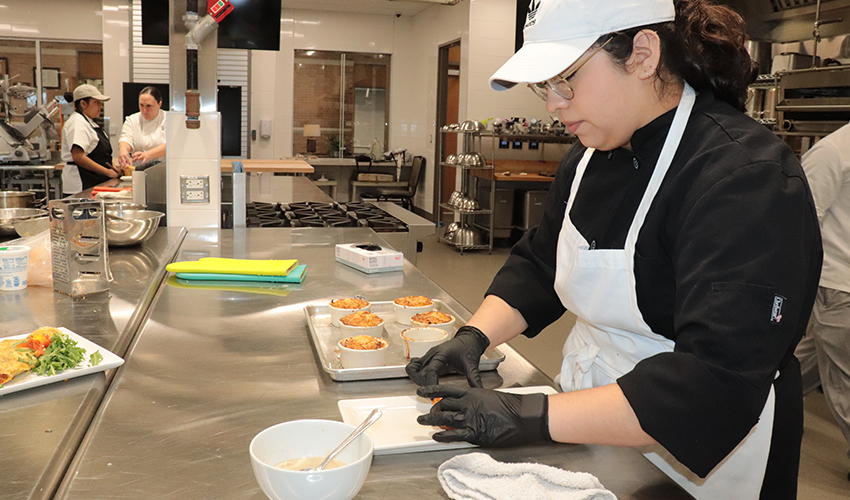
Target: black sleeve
[
  {"x": 526, "y": 281},
  {"x": 746, "y": 262}
]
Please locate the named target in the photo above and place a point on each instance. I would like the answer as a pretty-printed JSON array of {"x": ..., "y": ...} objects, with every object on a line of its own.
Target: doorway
[{"x": 448, "y": 98}]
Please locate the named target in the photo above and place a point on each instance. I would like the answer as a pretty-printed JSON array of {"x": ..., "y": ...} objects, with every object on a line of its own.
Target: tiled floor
[{"x": 824, "y": 464}]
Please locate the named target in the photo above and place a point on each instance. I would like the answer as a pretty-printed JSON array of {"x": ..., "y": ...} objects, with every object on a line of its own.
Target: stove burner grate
[{"x": 317, "y": 214}]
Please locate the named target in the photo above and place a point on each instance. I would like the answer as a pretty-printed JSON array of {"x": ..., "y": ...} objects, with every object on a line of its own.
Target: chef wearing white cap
[
  {"x": 86, "y": 149},
  {"x": 683, "y": 236}
]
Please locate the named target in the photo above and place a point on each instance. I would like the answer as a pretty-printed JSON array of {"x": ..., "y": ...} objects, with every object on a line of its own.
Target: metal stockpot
[
  {"x": 755, "y": 102},
  {"x": 17, "y": 199},
  {"x": 769, "y": 104}
]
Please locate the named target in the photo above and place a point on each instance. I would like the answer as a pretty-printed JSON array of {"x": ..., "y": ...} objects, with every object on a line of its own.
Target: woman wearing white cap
[
  {"x": 682, "y": 235},
  {"x": 86, "y": 149}
]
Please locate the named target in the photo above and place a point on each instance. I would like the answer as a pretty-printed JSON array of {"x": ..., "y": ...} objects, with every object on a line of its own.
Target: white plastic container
[{"x": 14, "y": 260}]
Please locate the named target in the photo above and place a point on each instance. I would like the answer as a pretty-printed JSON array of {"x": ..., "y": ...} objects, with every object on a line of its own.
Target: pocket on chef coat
[{"x": 747, "y": 328}]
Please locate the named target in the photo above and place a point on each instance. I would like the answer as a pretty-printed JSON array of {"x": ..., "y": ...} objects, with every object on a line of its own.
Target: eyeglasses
[{"x": 560, "y": 84}]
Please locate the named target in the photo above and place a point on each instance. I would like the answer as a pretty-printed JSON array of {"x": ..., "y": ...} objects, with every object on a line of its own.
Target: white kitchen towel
[{"x": 476, "y": 476}]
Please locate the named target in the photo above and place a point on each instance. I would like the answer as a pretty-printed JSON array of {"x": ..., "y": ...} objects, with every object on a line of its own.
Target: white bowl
[
  {"x": 362, "y": 358},
  {"x": 419, "y": 339},
  {"x": 310, "y": 438},
  {"x": 403, "y": 313},
  {"x": 338, "y": 312},
  {"x": 442, "y": 326}
]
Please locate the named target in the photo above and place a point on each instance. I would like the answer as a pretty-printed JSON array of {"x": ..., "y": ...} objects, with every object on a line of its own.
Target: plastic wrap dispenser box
[
  {"x": 79, "y": 247},
  {"x": 369, "y": 258}
]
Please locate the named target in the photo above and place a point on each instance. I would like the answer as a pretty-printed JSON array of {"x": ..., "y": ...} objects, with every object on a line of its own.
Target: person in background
[
  {"x": 824, "y": 352},
  {"x": 680, "y": 232},
  {"x": 143, "y": 135},
  {"x": 86, "y": 150}
]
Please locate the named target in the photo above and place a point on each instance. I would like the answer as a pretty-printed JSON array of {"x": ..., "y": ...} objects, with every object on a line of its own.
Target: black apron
[{"x": 101, "y": 154}]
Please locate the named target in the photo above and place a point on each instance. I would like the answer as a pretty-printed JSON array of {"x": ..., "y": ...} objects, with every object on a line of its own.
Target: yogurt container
[{"x": 14, "y": 260}]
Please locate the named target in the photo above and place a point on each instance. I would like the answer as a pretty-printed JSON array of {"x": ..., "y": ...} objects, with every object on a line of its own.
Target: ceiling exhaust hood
[{"x": 792, "y": 20}]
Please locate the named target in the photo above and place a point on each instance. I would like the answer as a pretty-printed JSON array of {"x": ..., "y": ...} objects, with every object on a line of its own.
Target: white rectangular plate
[
  {"x": 397, "y": 430},
  {"x": 30, "y": 380}
]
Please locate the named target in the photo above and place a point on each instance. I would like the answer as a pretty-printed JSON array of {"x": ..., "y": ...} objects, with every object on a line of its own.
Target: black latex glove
[
  {"x": 460, "y": 354},
  {"x": 486, "y": 417}
]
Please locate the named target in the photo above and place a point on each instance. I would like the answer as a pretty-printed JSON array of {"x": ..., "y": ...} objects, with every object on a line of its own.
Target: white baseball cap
[
  {"x": 557, "y": 32},
  {"x": 87, "y": 90}
]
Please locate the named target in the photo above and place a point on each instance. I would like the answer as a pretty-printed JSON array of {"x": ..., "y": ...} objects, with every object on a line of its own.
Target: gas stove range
[
  {"x": 316, "y": 214},
  {"x": 402, "y": 229}
]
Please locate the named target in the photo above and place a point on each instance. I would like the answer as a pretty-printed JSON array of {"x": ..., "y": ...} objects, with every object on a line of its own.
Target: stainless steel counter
[
  {"x": 42, "y": 427},
  {"x": 211, "y": 368}
]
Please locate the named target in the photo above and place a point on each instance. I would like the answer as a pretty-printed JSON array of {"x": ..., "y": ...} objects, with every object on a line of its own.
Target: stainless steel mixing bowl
[
  {"x": 467, "y": 203},
  {"x": 472, "y": 126},
  {"x": 114, "y": 205},
  {"x": 451, "y": 229},
  {"x": 468, "y": 237},
  {"x": 9, "y": 216},
  {"x": 131, "y": 227}
]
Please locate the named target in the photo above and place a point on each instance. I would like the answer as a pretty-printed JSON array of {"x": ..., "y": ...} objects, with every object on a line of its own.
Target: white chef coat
[
  {"x": 79, "y": 130},
  {"x": 827, "y": 167},
  {"x": 141, "y": 134}
]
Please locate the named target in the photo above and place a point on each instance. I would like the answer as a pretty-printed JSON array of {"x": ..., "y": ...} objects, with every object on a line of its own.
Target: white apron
[{"x": 610, "y": 335}]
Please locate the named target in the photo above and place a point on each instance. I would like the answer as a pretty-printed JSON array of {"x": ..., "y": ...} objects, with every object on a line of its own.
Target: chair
[
  {"x": 405, "y": 195},
  {"x": 361, "y": 161}
]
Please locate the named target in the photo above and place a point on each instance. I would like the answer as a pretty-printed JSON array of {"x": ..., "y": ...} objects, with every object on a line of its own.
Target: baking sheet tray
[
  {"x": 326, "y": 336},
  {"x": 397, "y": 431}
]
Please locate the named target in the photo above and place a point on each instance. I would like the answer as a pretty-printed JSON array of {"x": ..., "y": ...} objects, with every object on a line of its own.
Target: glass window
[
  {"x": 63, "y": 66},
  {"x": 341, "y": 103}
]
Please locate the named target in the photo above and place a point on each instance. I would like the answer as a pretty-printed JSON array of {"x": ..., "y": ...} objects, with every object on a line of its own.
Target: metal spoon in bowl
[{"x": 371, "y": 419}]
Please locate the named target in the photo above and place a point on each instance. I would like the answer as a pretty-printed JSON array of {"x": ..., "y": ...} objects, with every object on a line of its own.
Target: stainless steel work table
[
  {"x": 211, "y": 368},
  {"x": 46, "y": 171},
  {"x": 42, "y": 427}
]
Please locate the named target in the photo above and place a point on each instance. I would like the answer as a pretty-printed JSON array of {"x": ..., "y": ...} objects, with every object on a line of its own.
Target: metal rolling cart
[
  {"x": 462, "y": 232},
  {"x": 470, "y": 213}
]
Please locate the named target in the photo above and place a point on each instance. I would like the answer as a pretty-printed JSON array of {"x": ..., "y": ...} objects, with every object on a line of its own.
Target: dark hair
[
  {"x": 77, "y": 104},
  {"x": 153, "y": 91},
  {"x": 705, "y": 46}
]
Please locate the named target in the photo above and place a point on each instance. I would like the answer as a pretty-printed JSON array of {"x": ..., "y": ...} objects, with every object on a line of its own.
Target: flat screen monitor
[
  {"x": 521, "y": 13},
  {"x": 253, "y": 24}
]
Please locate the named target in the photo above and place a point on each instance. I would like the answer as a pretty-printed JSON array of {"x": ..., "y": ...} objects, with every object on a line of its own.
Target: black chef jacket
[{"x": 731, "y": 233}]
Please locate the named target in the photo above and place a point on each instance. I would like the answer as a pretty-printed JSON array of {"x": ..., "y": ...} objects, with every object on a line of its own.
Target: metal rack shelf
[
  {"x": 464, "y": 167},
  {"x": 549, "y": 138},
  {"x": 464, "y": 247},
  {"x": 464, "y": 211},
  {"x": 472, "y": 142}
]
